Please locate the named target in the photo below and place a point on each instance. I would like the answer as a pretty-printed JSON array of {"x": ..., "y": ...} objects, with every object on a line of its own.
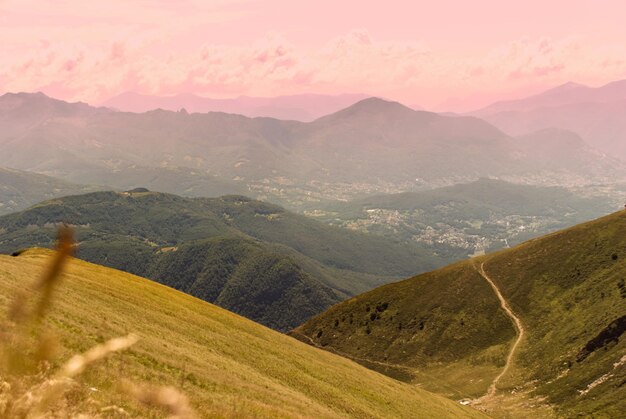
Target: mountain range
[
  {"x": 596, "y": 114},
  {"x": 304, "y": 107},
  {"x": 530, "y": 331},
  {"x": 566, "y": 94},
  {"x": 374, "y": 146}
]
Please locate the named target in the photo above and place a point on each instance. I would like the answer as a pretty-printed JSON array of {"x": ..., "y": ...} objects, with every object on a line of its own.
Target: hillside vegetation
[
  {"x": 19, "y": 190},
  {"x": 256, "y": 259},
  {"x": 226, "y": 365},
  {"x": 446, "y": 330}
]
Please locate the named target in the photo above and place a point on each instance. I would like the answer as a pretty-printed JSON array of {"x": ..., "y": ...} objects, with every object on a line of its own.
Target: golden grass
[
  {"x": 222, "y": 365},
  {"x": 28, "y": 385}
]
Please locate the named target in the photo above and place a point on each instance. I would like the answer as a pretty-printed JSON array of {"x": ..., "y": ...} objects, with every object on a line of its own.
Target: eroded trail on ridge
[{"x": 518, "y": 325}]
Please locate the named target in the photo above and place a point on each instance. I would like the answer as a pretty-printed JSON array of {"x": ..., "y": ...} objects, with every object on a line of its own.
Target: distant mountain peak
[
  {"x": 378, "y": 102},
  {"x": 25, "y": 96},
  {"x": 37, "y": 102},
  {"x": 567, "y": 89},
  {"x": 373, "y": 99},
  {"x": 40, "y": 94},
  {"x": 372, "y": 106},
  {"x": 569, "y": 85},
  {"x": 564, "y": 94},
  {"x": 617, "y": 84}
]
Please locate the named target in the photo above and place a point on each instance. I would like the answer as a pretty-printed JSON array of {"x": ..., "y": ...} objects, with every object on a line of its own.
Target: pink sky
[{"x": 440, "y": 54}]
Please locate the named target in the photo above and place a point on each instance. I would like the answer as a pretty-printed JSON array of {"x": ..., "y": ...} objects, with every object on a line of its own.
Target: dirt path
[{"x": 518, "y": 325}]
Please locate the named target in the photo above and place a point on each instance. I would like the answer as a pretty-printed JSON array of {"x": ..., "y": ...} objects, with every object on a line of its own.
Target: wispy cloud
[{"x": 160, "y": 47}]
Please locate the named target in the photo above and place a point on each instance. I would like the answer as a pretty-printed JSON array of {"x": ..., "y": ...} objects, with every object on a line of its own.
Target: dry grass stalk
[
  {"x": 116, "y": 410},
  {"x": 64, "y": 249},
  {"x": 50, "y": 277},
  {"x": 169, "y": 398},
  {"x": 38, "y": 399},
  {"x": 78, "y": 363}
]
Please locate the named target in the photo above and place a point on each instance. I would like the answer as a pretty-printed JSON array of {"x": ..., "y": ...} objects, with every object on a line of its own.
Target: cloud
[
  {"x": 357, "y": 58},
  {"x": 92, "y": 50},
  {"x": 535, "y": 58},
  {"x": 97, "y": 61},
  {"x": 532, "y": 64}
]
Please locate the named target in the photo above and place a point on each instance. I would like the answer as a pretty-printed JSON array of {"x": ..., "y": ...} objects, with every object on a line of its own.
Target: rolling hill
[
  {"x": 447, "y": 331},
  {"x": 227, "y": 366},
  {"x": 465, "y": 219},
  {"x": 373, "y": 146},
  {"x": 19, "y": 190},
  {"x": 253, "y": 258}
]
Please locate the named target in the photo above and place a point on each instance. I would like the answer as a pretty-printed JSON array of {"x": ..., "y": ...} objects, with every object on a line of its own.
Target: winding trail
[
  {"x": 491, "y": 391},
  {"x": 518, "y": 325}
]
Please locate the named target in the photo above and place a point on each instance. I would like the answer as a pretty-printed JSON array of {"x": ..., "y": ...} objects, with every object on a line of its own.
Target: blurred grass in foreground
[{"x": 30, "y": 386}]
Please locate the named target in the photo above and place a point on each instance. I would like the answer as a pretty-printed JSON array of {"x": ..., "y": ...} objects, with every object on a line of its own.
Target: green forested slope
[{"x": 254, "y": 258}]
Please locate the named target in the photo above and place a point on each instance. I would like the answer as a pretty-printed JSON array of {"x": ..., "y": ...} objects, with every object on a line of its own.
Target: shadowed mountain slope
[
  {"x": 601, "y": 125},
  {"x": 596, "y": 114}
]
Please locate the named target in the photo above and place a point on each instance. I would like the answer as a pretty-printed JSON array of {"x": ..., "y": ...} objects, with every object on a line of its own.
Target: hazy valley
[
  {"x": 471, "y": 219},
  {"x": 374, "y": 146}
]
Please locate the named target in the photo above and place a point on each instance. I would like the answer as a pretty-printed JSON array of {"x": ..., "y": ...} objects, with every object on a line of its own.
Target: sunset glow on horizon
[{"x": 444, "y": 55}]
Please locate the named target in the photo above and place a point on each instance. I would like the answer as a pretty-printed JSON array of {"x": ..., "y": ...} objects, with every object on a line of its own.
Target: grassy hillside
[
  {"x": 256, "y": 259},
  {"x": 226, "y": 365},
  {"x": 446, "y": 330},
  {"x": 462, "y": 220}
]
